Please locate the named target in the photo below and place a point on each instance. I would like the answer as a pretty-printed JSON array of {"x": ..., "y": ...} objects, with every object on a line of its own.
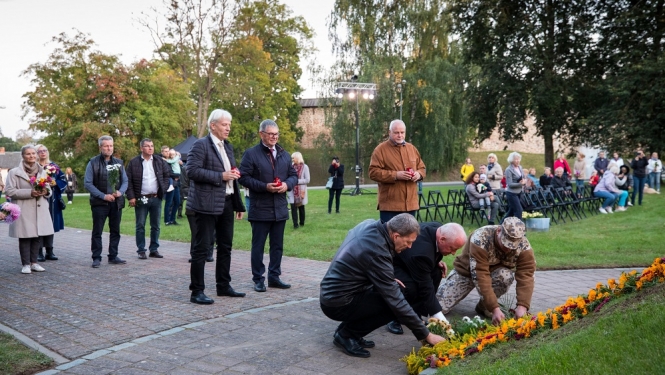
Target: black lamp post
[{"x": 354, "y": 90}]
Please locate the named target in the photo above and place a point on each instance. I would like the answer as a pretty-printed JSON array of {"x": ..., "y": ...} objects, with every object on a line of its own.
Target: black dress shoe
[
  {"x": 117, "y": 260},
  {"x": 365, "y": 343},
  {"x": 143, "y": 256},
  {"x": 201, "y": 299},
  {"x": 260, "y": 286},
  {"x": 155, "y": 254},
  {"x": 96, "y": 263},
  {"x": 350, "y": 346},
  {"x": 394, "y": 327},
  {"x": 229, "y": 292},
  {"x": 211, "y": 259},
  {"x": 278, "y": 284}
]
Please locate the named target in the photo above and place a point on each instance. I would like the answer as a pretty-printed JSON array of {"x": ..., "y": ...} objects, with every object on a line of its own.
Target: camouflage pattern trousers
[{"x": 455, "y": 287}]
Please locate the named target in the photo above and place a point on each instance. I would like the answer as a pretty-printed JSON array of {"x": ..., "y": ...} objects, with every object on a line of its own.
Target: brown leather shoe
[
  {"x": 143, "y": 256},
  {"x": 155, "y": 254}
]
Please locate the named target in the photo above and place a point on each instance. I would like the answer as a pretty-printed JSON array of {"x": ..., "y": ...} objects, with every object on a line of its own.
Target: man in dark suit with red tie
[{"x": 215, "y": 199}]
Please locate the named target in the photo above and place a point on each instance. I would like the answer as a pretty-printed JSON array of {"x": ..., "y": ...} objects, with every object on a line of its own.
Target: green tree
[
  {"x": 528, "y": 58},
  {"x": 629, "y": 90},
  {"x": 387, "y": 43},
  {"x": 80, "y": 94}
]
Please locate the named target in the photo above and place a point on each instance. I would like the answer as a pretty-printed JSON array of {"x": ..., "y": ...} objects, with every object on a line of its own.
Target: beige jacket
[
  {"x": 35, "y": 219},
  {"x": 494, "y": 176}
]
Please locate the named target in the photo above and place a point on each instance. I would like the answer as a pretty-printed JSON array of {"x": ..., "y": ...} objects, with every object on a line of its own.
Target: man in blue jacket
[{"x": 267, "y": 172}]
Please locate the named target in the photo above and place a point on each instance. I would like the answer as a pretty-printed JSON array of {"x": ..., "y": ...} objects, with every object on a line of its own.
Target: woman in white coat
[
  {"x": 35, "y": 220},
  {"x": 298, "y": 195}
]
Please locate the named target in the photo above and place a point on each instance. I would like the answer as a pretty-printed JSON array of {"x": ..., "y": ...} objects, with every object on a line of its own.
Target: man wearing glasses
[{"x": 267, "y": 172}]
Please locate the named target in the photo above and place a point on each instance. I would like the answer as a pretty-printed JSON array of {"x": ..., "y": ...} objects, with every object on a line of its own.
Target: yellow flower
[
  {"x": 555, "y": 323},
  {"x": 611, "y": 283},
  {"x": 541, "y": 319},
  {"x": 592, "y": 295}
]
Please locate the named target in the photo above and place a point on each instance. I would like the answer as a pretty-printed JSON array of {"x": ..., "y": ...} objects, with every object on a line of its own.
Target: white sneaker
[
  {"x": 170, "y": 189},
  {"x": 609, "y": 210},
  {"x": 602, "y": 211},
  {"x": 629, "y": 204},
  {"x": 26, "y": 269},
  {"x": 37, "y": 268},
  {"x": 621, "y": 209},
  {"x": 70, "y": 202}
]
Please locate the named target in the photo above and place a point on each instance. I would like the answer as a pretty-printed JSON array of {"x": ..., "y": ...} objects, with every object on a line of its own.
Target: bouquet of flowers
[
  {"x": 142, "y": 201},
  {"x": 11, "y": 212},
  {"x": 41, "y": 183},
  {"x": 531, "y": 215},
  {"x": 441, "y": 328},
  {"x": 52, "y": 171},
  {"x": 113, "y": 171}
]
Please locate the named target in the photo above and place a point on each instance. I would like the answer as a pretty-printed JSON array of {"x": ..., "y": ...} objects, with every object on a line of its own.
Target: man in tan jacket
[
  {"x": 493, "y": 257},
  {"x": 397, "y": 167}
]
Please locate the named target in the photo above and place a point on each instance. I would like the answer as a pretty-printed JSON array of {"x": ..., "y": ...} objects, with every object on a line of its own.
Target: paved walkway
[{"x": 137, "y": 318}]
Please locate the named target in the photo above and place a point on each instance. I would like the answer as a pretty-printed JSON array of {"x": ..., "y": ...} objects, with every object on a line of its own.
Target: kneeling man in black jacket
[{"x": 360, "y": 289}]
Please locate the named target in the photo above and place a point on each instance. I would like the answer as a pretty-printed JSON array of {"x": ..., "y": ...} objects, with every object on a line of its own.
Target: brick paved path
[{"x": 137, "y": 318}]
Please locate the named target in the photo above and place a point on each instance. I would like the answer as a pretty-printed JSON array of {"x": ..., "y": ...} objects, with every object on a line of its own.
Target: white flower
[{"x": 466, "y": 319}]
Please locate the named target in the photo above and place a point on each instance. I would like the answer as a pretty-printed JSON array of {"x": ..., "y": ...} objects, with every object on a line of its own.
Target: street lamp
[{"x": 353, "y": 91}]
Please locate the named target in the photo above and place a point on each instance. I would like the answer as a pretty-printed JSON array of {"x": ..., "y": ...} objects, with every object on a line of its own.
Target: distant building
[{"x": 8, "y": 160}]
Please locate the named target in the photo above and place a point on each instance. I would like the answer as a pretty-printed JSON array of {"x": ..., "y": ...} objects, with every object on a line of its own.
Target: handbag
[
  {"x": 329, "y": 183},
  {"x": 62, "y": 205}
]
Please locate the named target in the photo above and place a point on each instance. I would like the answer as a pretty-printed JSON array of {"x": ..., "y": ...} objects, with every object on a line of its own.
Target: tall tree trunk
[{"x": 549, "y": 150}]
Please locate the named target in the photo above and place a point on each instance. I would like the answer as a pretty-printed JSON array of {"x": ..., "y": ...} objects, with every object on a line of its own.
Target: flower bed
[{"x": 465, "y": 344}]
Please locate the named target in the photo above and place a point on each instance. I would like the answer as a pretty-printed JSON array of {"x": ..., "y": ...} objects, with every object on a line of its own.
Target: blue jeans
[
  {"x": 609, "y": 198},
  {"x": 638, "y": 187},
  {"x": 171, "y": 206},
  {"x": 579, "y": 186},
  {"x": 654, "y": 180},
  {"x": 154, "y": 208}
]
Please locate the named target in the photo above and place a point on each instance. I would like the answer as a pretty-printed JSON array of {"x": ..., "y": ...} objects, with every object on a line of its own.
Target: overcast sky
[{"x": 27, "y": 26}]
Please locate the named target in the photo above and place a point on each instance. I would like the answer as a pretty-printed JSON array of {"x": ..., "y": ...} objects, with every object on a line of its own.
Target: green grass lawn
[
  {"x": 623, "y": 239},
  {"x": 625, "y": 337},
  {"x": 16, "y": 358}
]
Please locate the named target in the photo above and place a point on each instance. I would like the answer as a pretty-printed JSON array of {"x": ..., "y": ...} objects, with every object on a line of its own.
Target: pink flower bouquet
[{"x": 11, "y": 212}]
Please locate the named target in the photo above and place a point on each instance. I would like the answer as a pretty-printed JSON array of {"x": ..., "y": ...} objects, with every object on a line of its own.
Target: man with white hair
[
  {"x": 397, "y": 167},
  {"x": 421, "y": 268},
  {"x": 493, "y": 257}
]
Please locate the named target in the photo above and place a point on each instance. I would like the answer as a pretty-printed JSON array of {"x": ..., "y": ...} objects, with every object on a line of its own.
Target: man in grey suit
[{"x": 214, "y": 197}]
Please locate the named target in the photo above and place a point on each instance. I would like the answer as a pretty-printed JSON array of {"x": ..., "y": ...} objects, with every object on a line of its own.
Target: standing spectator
[
  {"x": 148, "y": 181},
  {"x": 480, "y": 200},
  {"x": 297, "y": 197},
  {"x": 267, "y": 171},
  {"x": 359, "y": 288},
  {"x": 655, "y": 168},
  {"x": 580, "y": 173},
  {"x": 515, "y": 181},
  {"x": 34, "y": 223},
  {"x": 639, "y": 165},
  {"x": 215, "y": 199},
  {"x": 494, "y": 173},
  {"x": 563, "y": 163},
  {"x": 106, "y": 199},
  {"x": 54, "y": 201},
  {"x": 607, "y": 189},
  {"x": 396, "y": 166},
  {"x": 601, "y": 163},
  {"x": 336, "y": 171},
  {"x": 191, "y": 219},
  {"x": 466, "y": 170},
  {"x": 617, "y": 160},
  {"x": 72, "y": 185},
  {"x": 172, "y": 204},
  {"x": 546, "y": 178}
]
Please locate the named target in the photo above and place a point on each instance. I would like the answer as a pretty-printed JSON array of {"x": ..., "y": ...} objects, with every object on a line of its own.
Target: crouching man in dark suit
[
  {"x": 214, "y": 197},
  {"x": 421, "y": 268}
]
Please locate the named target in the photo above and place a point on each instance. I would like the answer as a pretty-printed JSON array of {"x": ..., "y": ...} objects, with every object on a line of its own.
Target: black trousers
[
  {"x": 211, "y": 228},
  {"x": 28, "y": 248},
  {"x": 366, "y": 312},
  {"x": 47, "y": 241},
  {"x": 412, "y": 293},
  {"x": 193, "y": 230},
  {"x": 260, "y": 232},
  {"x": 298, "y": 215},
  {"x": 334, "y": 193},
  {"x": 99, "y": 216},
  {"x": 70, "y": 196}
]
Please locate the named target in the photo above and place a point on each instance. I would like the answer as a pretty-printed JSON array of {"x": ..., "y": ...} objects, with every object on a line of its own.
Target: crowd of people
[{"x": 387, "y": 272}]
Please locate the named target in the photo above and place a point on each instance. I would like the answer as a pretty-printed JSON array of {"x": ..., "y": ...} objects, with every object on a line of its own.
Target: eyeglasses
[
  {"x": 271, "y": 135},
  {"x": 42, "y": 151}
]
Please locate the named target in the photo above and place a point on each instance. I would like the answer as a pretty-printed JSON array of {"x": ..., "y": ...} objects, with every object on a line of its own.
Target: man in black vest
[
  {"x": 148, "y": 181},
  {"x": 106, "y": 201}
]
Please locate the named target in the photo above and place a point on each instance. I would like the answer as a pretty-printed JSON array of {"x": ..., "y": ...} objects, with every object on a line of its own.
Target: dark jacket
[
  {"x": 601, "y": 165},
  {"x": 71, "y": 178},
  {"x": 560, "y": 182},
  {"x": 365, "y": 261},
  {"x": 545, "y": 181},
  {"x": 418, "y": 269},
  {"x": 135, "y": 176},
  {"x": 257, "y": 171},
  {"x": 184, "y": 182},
  {"x": 207, "y": 190},
  {"x": 97, "y": 185},
  {"x": 639, "y": 167},
  {"x": 628, "y": 177},
  {"x": 338, "y": 176}
]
